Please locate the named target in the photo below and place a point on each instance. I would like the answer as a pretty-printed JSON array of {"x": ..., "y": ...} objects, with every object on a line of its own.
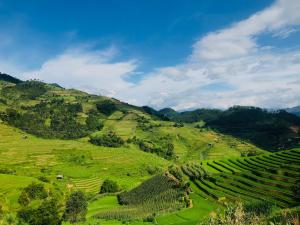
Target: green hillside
[{"x": 167, "y": 172}]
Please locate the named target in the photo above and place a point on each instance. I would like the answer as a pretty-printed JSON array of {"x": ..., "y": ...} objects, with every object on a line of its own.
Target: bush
[
  {"x": 44, "y": 179},
  {"x": 109, "y": 186},
  {"x": 107, "y": 140}
]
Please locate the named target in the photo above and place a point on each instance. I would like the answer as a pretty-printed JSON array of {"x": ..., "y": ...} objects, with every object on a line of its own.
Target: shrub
[
  {"x": 107, "y": 140},
  {"x": 109, "y": 186},
  {"x": 44, "y": 179}
]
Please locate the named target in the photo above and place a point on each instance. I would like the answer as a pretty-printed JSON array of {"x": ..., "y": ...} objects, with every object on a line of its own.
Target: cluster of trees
[
  {"x": 106, "y": 107},
  {"x": 111, "y": 139},
  {"x": 269, "y": 130},
  {"x": 49, "y": 210},
  {"x": 54, "y": 119},
  {"x": 162, "y": 147},
  {"x": 31, "y": 89},
  {"x": 32, "y": 192}
]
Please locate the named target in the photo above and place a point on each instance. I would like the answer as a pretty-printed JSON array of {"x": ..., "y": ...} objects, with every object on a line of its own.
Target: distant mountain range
[{"x": 294, "y": 110}]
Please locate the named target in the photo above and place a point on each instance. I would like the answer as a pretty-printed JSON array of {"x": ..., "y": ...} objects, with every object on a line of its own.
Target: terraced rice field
[
  {"x": 89, "y": 185},
  {"x": 266, "y": 177}
]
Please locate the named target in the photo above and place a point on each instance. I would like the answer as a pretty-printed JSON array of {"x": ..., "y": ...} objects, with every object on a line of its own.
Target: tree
[
  {"x": 46, "y": 214},
  {"x": 35, "y": 191},
  {"x": 108, "y": 140},
  {"x": 76, "y": 207},
  {"x": 109, "y": 186}
]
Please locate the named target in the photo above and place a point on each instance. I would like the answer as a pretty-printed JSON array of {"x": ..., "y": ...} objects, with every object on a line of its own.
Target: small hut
[{"x": 60, "y": 177}]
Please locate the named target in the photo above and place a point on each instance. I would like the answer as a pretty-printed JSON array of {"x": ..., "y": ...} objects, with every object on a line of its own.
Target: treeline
[
  {"x": 269, "y": 130},
  {"x": 184, "y": 117}
]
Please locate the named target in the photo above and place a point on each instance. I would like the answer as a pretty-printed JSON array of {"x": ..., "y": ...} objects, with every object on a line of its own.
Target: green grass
[
  {"x": 102, "y": 204},
  {"x": 191, "y": 216}
]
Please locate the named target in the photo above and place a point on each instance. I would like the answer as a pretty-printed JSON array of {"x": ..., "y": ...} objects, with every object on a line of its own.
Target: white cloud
[
  {"x": 255, "y": 75},
  {"x": 239, "y": 39},
  {"x": 267, "y": 80},
  {"x": 92, "y": 71}
]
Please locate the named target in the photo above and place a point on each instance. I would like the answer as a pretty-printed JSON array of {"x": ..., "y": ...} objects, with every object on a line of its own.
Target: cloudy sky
[{"x": 172, "y": 53}]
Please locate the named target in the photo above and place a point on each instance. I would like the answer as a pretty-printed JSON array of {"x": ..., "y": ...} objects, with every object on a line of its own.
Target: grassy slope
[{"x": 28, "y": 156}]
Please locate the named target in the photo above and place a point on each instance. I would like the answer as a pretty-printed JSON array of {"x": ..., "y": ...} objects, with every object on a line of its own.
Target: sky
[{"x": 172, "y": 53}]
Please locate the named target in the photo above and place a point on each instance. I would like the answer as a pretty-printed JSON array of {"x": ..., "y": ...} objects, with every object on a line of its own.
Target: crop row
[{"x": 267, "y": 177}]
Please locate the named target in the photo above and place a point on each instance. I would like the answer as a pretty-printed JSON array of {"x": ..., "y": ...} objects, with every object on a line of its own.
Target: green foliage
[
  {"x": 176, "y": 172},
  {"x": 250, "y": 152},
  {"x": 93, "y": 123},
  {"x": 23, "y": 199},
  {"x": 32, "y": 192},
  {"x": 161, "y": 147},
  {"x": 46, "y": 214},
  {"x": 269, "y": 130},
  {"x": 76, "y": 207},
  {"x": 155, "y": 189},
  {"x": 7, "y": 171},
  {"x": 296, "y": 190},
  {"x": 62, "y": 117},
  {"x": 178, "y": 124},
  {"x": 106, "y": 107},
  {"x": 110, "y": 139},
  {"x": 190, "y": 116},
  {"x": 109, "y": 186},
  {"x": 44, "y": 179},
  {"x": 1, "y": 212},
  {"x": 259, "y": 208},
  {"x": 27, "y": 90}
]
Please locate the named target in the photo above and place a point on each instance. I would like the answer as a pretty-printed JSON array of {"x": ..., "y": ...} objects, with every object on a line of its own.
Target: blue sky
[{"x": 180, "y": 54}]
